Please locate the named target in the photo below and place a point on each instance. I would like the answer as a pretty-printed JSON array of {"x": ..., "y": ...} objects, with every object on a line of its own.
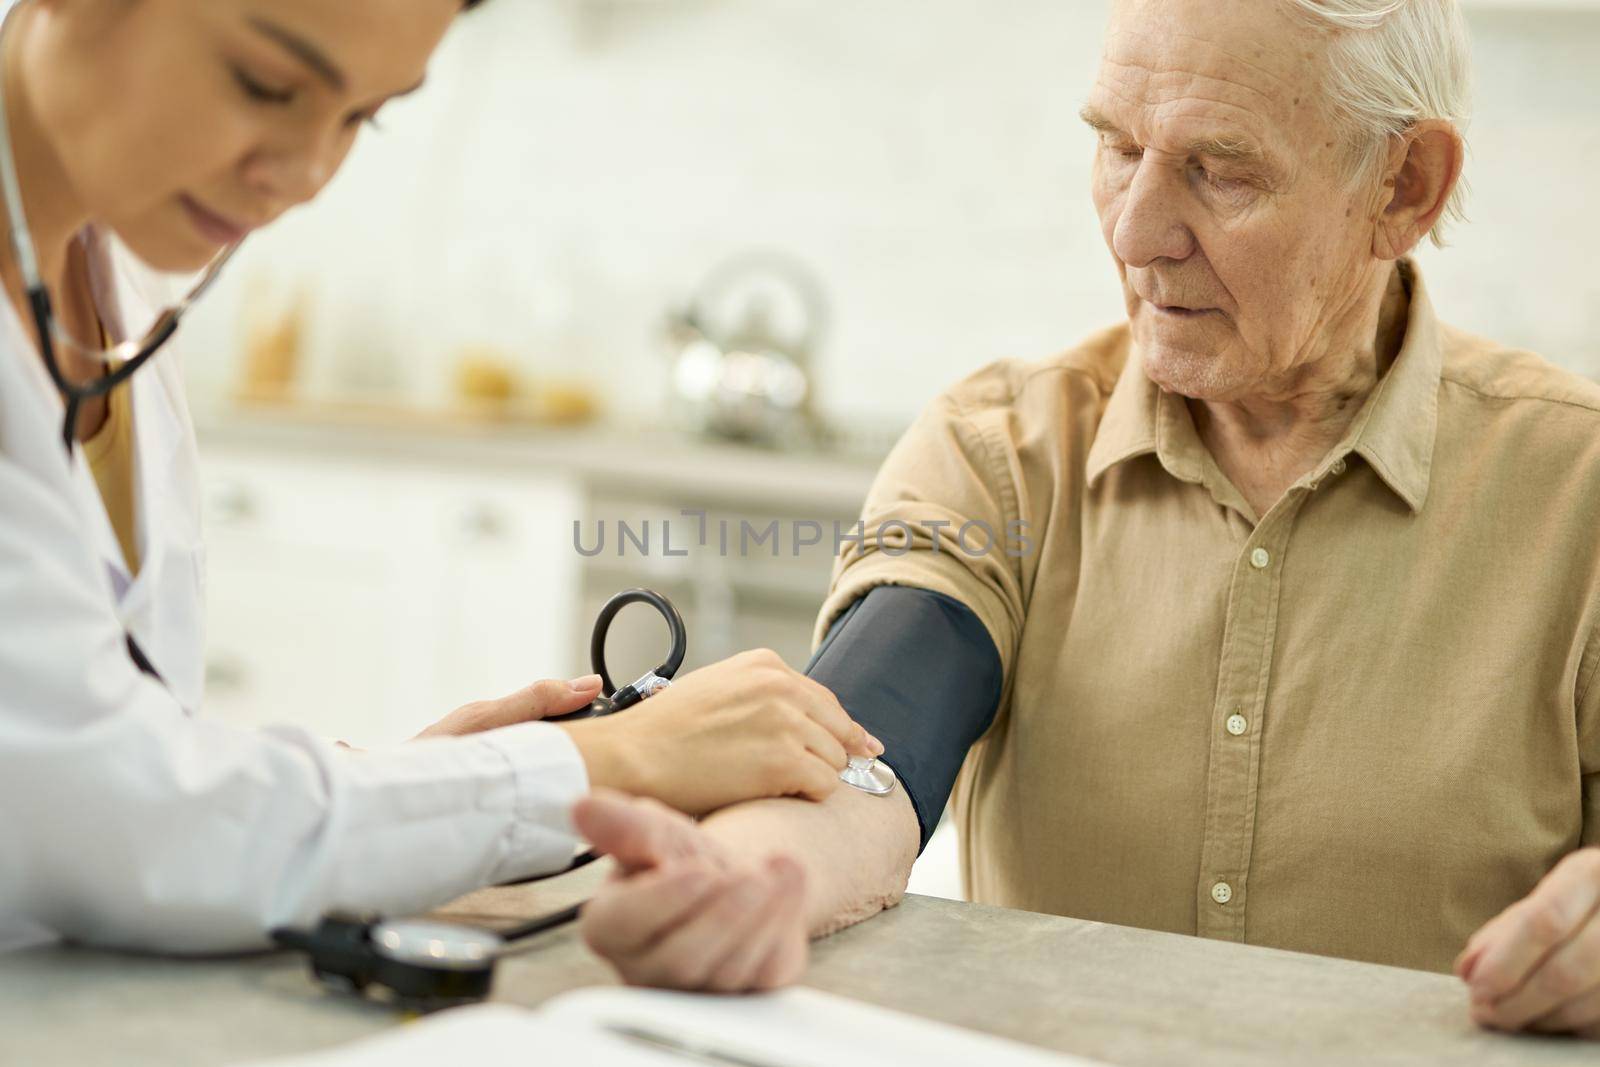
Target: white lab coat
[{"x": 125, "y": 819}]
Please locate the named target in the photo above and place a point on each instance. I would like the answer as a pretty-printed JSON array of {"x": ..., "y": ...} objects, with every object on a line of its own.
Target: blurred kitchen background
[{"x": 622, "y": 258}]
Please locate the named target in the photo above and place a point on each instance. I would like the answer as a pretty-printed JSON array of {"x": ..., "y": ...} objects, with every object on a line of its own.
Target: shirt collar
[
  {"x": 1128, "y": 424},
  {"x": 1394, "y": 431}
]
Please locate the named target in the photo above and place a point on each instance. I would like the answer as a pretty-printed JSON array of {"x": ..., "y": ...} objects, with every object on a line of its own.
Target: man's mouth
[{"x": 1178, "y": 311}]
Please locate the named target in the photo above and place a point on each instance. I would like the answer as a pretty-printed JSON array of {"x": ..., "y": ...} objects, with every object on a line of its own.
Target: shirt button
[
  {"x": 1237, "y": 724},
  {"x": 1222, "y": 892},
  {"x": 1260, "y": 558},
  {"x": 1337, "y": 468}
]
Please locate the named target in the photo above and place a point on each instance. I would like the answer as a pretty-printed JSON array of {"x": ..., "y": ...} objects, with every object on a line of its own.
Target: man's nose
[{"x": 1151, "y": 226}]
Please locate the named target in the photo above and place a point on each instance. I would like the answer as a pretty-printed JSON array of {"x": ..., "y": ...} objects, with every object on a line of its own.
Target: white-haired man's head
[
  {"x": 1261, "y": 165},
  {"x": 1392, "y": 63}
]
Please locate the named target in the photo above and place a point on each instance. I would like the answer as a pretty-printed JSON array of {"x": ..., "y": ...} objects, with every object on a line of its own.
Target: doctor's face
[{"x": 184, "y": 124}]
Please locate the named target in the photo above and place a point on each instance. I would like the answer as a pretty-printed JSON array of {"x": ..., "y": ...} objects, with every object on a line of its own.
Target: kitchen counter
[{"x": 607, "y": 458}]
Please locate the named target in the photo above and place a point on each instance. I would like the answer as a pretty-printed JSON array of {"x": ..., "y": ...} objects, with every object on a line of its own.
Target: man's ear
[{"x": 1422, "y": 168}]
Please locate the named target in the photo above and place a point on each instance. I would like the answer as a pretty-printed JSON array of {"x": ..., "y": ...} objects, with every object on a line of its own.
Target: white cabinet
[
  {"x": 504, "y": 588},
  {"x": 365, "y": 599},
  {"x": 365, "y": 580}
]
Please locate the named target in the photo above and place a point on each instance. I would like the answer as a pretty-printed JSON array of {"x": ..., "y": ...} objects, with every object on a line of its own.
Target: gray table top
[{"x": 1113, "y": 993}]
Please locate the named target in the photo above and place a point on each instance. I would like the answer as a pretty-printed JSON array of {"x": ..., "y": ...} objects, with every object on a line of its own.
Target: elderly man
[{"x": 1292, "y": 633}]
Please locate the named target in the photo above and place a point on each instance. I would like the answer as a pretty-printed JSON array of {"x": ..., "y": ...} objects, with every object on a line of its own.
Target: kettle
[{"x": 742, "y": 351}]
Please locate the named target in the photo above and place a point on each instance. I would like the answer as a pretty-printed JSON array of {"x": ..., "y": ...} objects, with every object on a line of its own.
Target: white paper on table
[
  {"x": 485, "y": 1035},
  {"x": 795, "y": 1028}
]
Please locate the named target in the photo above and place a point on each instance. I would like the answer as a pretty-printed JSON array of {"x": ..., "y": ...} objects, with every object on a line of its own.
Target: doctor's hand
[
  {"x": 538, "y": 701},
  {"x": 679, "y": 913},
  {"x": 1536, "y": 965},
  {"x": 746, "y": 728}
]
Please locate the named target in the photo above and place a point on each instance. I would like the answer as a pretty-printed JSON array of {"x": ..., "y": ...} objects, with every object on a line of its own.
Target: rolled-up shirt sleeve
[
  {"x": 128, "y": 823},
  {"x": 942, "y": 515},
  {"x": 1587, "y": 711}
]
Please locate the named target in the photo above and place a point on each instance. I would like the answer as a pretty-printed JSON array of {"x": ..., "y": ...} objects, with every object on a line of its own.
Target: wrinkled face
[
  {"x": 182, "y": 124},
  {"x": 1243, "y": 247}
]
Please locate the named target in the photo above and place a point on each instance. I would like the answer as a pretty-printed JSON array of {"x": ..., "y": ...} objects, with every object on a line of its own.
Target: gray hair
[{"x": 1393, "y": 63}]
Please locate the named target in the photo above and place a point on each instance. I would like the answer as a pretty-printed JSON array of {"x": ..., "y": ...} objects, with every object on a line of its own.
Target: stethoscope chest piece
[
  {"x": 439, "y": 946},
  {"x": 869, "y": 775}
]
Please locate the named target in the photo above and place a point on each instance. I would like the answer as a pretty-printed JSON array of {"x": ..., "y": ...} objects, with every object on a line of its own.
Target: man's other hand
[{"x": 1536, "y": 965}]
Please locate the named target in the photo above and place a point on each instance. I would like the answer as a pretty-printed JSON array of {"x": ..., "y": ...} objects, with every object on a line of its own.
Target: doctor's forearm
[{"x": 856, "y": 849}]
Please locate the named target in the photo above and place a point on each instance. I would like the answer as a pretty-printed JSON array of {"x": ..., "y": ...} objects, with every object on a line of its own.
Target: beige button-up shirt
[{"x": 1360, "y": 724}]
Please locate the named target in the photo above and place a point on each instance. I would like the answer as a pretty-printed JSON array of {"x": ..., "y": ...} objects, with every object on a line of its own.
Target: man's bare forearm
[{"x": 857, "y": 850}]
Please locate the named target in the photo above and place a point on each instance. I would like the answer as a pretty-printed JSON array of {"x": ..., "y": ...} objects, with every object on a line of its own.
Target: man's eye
[
  {"x": 259, "y": 91},
  {"x": 1223, "y": 184}
]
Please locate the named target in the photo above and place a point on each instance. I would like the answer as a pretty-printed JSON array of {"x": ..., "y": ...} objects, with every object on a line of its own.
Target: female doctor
[{"x": 142, "y": 134}]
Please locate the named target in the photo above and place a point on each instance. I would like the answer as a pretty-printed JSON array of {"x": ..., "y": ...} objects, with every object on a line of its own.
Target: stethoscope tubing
[
  {"x": 612, "y": 700},
  {"x": 676, "y": 650}
]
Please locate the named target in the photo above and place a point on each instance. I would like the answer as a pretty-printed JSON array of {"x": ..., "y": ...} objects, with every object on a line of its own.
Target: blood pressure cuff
[{"x": 919, "y": 670}]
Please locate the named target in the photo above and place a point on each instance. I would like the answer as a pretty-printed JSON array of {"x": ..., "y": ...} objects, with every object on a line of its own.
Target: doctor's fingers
[
  {"x": 744, "y": 954},
  {"x": 823, "y": 707},
  {"x": 1565, "y": 978},
  {"x": 1512, "y": 944},
  {"x": 628, "y": 917},
  {"x": 538, "y": 701},
  {"x": 639, "y": 832},
  {"x": 787, "y": 961},
  {"x": 549, "y": 697},
  {"x": 775, "y": 955},
  {"x": 822, "y": 744},
  {"x": 742, "y": 909},
  {"x": 805, "y": 774}
]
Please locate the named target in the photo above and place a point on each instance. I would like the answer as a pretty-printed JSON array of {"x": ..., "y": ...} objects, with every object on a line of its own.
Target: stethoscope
[
  {"x": 122, "y": 360},
  {"x": 611, "y": 699},
  {"x": 428, "y": 963},
  {"x": 417, "y": 960}
]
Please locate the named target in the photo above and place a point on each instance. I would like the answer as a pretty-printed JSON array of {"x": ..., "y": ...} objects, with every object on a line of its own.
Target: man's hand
[
  {"x": 538, "y": 701},
  {"x": 680, "y": 913},
  {"x": 1536, "y": 965}
]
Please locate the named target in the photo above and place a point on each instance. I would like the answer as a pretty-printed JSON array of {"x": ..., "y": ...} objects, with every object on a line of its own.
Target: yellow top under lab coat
[{"x": 110, "y": 456}]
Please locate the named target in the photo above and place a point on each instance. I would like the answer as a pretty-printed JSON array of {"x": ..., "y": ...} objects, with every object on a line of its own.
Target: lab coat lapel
[
  {"x": 163, "y": 607},
  {"x": 33, "y": 413}
]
